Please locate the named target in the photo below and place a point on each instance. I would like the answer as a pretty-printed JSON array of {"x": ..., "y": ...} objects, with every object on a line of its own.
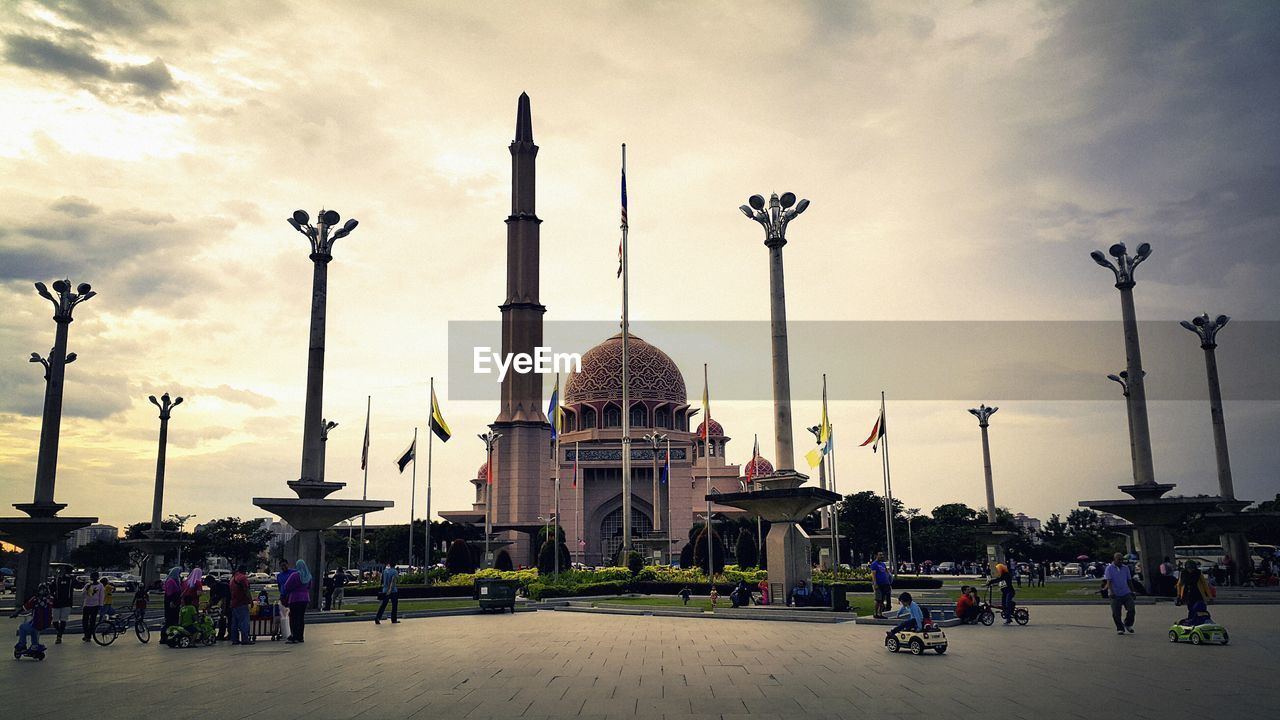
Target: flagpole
[
  {"x": 668, "y": 464},
  {"x": 755, "y": 451},
  {"x": 555, "y": 540},
  {"x": 706, "y": 454},
  {"x": 364, "y": 462},
  {"x": 626, "y": 393},
  {"x": 577, "y": 496},
  {"x": 888, "y": 483},
  {"x": 833, "y": 518},
  {"x": 413, "y": 489},
  {"x": 430, "y": 435}
]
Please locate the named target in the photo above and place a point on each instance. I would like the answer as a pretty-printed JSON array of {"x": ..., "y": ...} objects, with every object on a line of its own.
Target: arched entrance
[{"x": 611, "y": 530}]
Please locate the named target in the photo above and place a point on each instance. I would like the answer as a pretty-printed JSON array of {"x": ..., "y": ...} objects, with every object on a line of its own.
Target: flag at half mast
[
  {"x": 438, "y": 425},
  {"x": 815, "y": 455},
  {"x": 624, "y": 218}
]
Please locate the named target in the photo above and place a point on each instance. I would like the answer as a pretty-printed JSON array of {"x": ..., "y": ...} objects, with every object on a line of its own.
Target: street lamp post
[
  {"x": 656, "y": 440},
  {"x": 166, "y": 405},
  {"x": 489, "y": 439},
  {"x": 774, "y": 219},
  {"x": 1123, "y": 269},
  {"x": 322, "y": 237},
  {"x": 984, "y": 413},
  {"x": 1123, "y": 379},
  {"x": 912, "y": 514},
  {"x": 1235, "y": 544}
]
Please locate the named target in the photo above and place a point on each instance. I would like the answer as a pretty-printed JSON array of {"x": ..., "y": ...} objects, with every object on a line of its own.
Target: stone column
[
  {"x": 993, "y": 536},
  {"x": 312, "y": 422},
  {"x": 1144, "y": 470}
]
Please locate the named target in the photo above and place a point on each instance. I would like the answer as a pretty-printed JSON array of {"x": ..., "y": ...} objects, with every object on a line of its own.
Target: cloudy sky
[{"x": 962, "y": 160}]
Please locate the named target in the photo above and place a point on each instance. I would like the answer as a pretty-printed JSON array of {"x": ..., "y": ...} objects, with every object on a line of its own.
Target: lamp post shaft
[
  {"x": 157, "y": 501},
  {"x": 986, "y": 470},
  {"x": 51, "y": 421},
  {"x": 782, "y": 440},
  {"x": 1225, "y": 487},
  {"x": 312, "y": 444},
  {"x": 1143, "y": 468}
]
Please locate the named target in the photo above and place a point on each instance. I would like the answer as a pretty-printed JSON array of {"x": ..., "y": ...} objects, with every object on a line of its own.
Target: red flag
[{"x": 877, "y": 432}]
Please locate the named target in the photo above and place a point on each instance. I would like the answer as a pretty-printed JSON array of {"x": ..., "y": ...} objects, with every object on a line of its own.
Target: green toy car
[
  {"x": 917, "y": 641},
  {"x": 1199, "y": 634}
]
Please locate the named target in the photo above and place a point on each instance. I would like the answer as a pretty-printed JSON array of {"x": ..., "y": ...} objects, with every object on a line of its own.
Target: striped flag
[
  {"x": 407, "y": 456},
  {"x": 555, "y": 415},
  {"x": 666, "y": 468},
  {"x": 815, "y": 455},
  {"x": 751, "y": 466},
  {"x": 706, "y": 410},
  {"x": 877, "y": 432},
  {"x": 438, "y": 425}
]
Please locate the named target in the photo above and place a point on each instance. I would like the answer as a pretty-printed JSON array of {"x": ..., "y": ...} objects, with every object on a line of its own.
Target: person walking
[
  {"x": 884, "y": 586},
  {"x": 91, "y": 603},
  {"x": 172, "y": 600},
  {"x": 390, "y": 593},
  {"x": 1041, "y": 570},
  {"x": 297, "y": 589},
  {"x": 193, "y": 587},
  {"x": 1116, "y": 581},
  {"x": 238, "y": 591},
  {"x": 61, "y": 602},
  {"x": 339, "y": 587}
]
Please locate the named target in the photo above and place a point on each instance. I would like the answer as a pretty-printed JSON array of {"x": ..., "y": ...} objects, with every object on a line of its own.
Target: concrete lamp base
[{"x": 37, "y": 537}]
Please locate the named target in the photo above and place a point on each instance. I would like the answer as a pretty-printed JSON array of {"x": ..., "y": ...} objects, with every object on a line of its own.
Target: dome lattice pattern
[
  {"x": 756, "y": 467},
  {"x": 717, "y": 430},
  {"x": 654, "y": 376}
]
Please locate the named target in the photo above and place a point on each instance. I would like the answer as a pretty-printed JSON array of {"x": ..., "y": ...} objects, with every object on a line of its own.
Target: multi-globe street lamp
[
  {"x": 984, "y": 413},
  {"x": 1123, "y": 268},
  {"x": 1206, "y": 329},
  {"x": 490, "y": 439},
  {"x": 774, "y": 218}
]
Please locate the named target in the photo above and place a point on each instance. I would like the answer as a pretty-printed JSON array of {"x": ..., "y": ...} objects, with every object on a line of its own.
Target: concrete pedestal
[
  {"x": 311, "y": 516},
  {"x": 783, "y": 503},
  {"x": 1151, "y": 516},
  {"x": 37, "y": 537},
  {"x": 160, "y": 545},
  {"x": 995, "y": 539}
]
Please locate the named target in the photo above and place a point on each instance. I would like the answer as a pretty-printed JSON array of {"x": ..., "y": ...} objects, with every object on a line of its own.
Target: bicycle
[
  {"x": 987, "y": 611},
  {"x": 109, "y": 629}
]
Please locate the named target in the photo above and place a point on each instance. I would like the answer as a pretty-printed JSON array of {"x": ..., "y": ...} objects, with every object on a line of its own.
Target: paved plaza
[{"x": 1067, "y": 664}]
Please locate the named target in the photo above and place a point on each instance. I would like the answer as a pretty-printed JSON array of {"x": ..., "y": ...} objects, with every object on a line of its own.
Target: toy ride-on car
[
  {"x": 917, "y": 641},
  {"x": 1209, "y": 632}
]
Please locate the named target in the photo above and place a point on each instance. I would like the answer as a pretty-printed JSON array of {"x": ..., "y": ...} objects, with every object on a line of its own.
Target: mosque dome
[
  {"x": 653, "y": 374},
  {"x": 483, "y": 472},
  {"x": 756, "y": 467},
  {"x": 716, "y": 429}
]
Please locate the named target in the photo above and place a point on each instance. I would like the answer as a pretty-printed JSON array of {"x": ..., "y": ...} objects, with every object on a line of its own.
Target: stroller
[{"x": 193, "y": 628}]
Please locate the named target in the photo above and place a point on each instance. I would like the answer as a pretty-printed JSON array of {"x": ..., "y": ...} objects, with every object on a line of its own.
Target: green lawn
[
  {"x": 1052, "y": 590},
  {"x": 860, "y": 605}
]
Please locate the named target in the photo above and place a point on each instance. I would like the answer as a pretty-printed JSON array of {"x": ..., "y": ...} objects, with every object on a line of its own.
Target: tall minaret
[
  {"x": 522, "y": 313},
  {"x": 522, "y": 462}
]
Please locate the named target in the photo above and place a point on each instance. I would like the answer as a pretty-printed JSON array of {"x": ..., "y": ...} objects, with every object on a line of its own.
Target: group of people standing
[{"x": 233, "y": 600}]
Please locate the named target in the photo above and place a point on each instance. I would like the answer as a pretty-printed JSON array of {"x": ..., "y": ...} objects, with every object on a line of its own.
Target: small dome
[
  {"x": 653, "y": 374},
  {"x": 756, "y": 467},
  {"x": 483, "y": 472},
  {"x": 716, "y": 429}
]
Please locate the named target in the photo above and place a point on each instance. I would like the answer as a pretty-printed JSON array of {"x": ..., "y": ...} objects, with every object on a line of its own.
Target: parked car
[
  {"x": 944, "y": 568},
  {"x": 217, "y": 575},
  {"x": 260, "y": 578},
  {"x": 1072, "y": 570}
]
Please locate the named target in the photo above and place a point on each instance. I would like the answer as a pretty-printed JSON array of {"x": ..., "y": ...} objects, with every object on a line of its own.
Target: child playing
[
  {"x": 1194, "y": 591},
  {"x": 40, "y": 606},
  {"x": 715, "y": 597},
  {"x": 108, "y": 609},
  {"x": 915, "y": 616}
]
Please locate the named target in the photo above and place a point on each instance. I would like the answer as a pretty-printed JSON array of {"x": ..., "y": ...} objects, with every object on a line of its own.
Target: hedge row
[{"x": 542, "y": 591}]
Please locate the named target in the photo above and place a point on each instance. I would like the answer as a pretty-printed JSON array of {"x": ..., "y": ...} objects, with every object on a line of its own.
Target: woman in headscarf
[
  {"x": 172, "y": 599},
  {"x": 195, "y": 585},
  {"x": 297, "y": 591}
]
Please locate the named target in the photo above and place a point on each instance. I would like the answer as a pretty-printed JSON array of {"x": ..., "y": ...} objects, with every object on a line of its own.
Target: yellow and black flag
[{"x": 438, "y": 425}]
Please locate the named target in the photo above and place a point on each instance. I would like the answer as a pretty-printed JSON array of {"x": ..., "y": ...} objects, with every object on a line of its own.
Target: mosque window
[
  {"x": 713, "y": 448},
  {"x": 588, "y": 419},
  {"x": 639, "y": 416},
  {"x": 663, "y": 418},
  {"x": 612, "y": 416},
  {"x": 682, "y": 422}
]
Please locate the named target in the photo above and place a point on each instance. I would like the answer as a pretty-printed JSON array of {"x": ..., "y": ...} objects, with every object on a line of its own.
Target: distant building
[
  {"x": 1027, "y": 524},
  {"x": 92, "y": 533}
]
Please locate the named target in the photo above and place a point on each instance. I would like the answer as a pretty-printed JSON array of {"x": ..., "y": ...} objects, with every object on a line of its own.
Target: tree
[
  {"x": 459, "y": 559},
  {"x": 547, "y": 558},
  {"x": 635, "y": 562},
  {"x": 745, "y": 550},
  {"x": 137, "y": 531},
  {"x": 686, "y": 555},
  {"x": 862, "y": 523},
  {"x": 231, "y": 538},
  {"x": 700, "y": 551},
  {"x": 100, "y": 555}
]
